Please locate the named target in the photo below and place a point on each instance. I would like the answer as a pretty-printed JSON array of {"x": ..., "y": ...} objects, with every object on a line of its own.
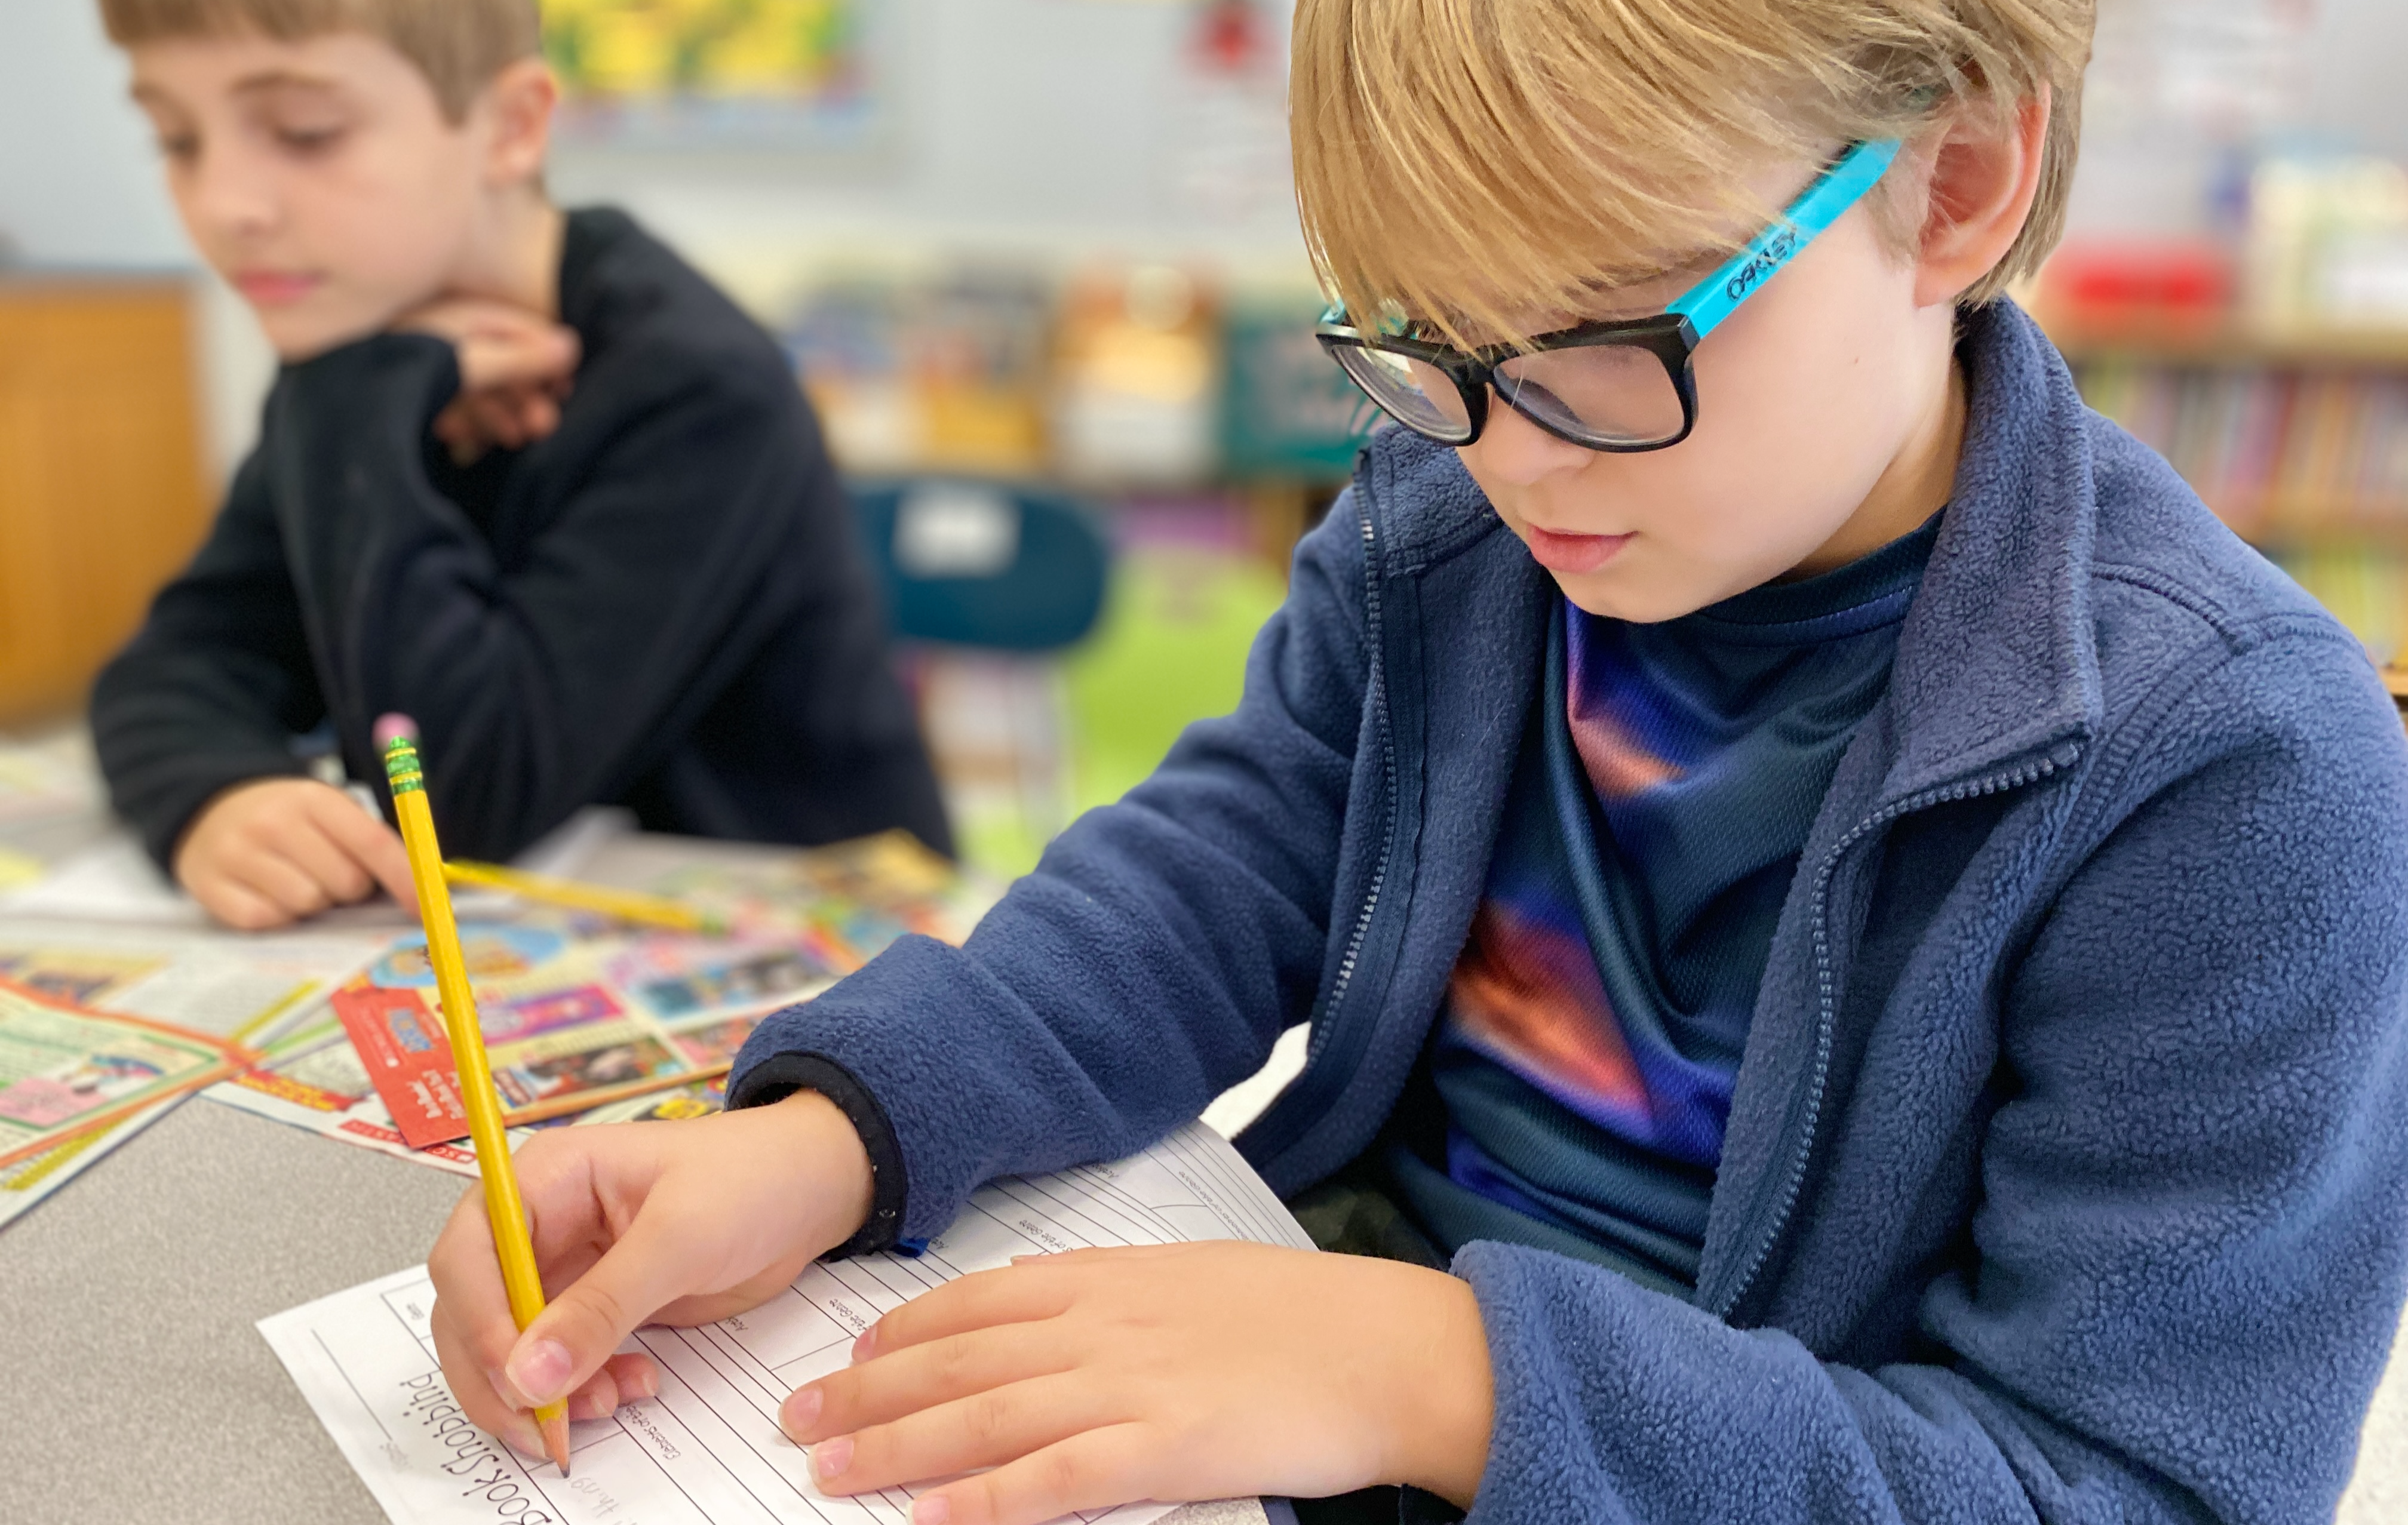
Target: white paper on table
[
  {"x": 708, "y": 1450},
  {"x": 563, "y": 853},
  {"x": 115, "y": 881},
  {"x": 55, "y": 776},
  {"x": 249, "y": 987}
]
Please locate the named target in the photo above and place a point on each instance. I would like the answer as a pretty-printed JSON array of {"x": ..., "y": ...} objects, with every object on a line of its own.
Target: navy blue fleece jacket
[{"x": 2065, "y": 1175}]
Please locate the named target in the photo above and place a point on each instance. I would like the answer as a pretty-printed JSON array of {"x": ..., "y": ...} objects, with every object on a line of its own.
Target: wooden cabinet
[{"x": 102, "y": 495}]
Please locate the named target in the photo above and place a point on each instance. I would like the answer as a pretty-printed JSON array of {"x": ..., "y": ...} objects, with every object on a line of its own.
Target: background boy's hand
[
  {"x": 273, "y": 851},
  {"x": 1173, "y": 1373},
  {"x": 644, "y": 1222},
  {"x": 515, "y": 368}
]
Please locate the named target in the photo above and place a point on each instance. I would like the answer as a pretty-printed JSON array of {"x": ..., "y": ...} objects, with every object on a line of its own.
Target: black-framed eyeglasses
[{"x": 1623, "y": 385}]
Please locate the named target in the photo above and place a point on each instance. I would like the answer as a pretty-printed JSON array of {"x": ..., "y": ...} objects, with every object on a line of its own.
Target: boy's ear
[
  {"x": 518, "y": 102},
  {"x": 1984, "y": 177}
]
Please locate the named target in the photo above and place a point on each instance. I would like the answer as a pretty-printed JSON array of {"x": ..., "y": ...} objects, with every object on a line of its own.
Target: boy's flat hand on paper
[
  {"x": 636, "y": 1223},
  {"x": 516, "y": 367},
  {"x": 273, "y": 851},
  {"x": 1170, "y": 1373}
]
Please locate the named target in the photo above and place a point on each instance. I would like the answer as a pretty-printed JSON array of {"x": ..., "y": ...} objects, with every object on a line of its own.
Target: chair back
[{"x": 984, "y": 563}]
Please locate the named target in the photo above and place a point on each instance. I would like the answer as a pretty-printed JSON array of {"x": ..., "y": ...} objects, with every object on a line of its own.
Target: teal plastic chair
[{"x": 972, "y": 563}]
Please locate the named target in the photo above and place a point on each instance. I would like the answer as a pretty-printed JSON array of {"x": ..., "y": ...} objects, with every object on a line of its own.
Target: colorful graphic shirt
[{"x": 1596, "y": 1018}]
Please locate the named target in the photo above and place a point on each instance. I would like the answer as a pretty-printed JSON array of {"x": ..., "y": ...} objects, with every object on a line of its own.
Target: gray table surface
[{"x": 126, "y": 1305}]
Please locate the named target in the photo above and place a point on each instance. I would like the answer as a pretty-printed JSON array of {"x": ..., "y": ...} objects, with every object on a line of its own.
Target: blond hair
[
  {"x": 1468, "y": 160},
  {"x": 458, "y": 45}
]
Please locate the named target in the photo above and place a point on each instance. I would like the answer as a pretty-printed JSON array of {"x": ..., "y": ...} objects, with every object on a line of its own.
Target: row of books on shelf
[
  {"x": 2271, "y": 449},
  {"x": 1148, "y": 377},
  {"x": 2365, "y": 586}
]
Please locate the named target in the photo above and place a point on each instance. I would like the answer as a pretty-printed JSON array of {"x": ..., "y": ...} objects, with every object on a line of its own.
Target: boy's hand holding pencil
[
  {"x": 757, "y": 1196},
  {"x": 639, "y": 1223}
]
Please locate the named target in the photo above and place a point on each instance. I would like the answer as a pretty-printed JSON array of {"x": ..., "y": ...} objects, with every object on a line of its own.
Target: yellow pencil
[
  {"x": 627, "y": 905},
  {"x": 397, "y": 736}
]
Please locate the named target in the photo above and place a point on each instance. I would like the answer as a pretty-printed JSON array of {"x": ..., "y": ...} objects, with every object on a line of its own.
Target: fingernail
[
  {"x": 829, "y": 1457},
  {"x": 932, "y": 1509},
  {"x": 643, "y": 1382},
  {"x": 802, "y": 1409},
  {"x": 864, "y": 1345},
  {"x": 540, "y": 1370}
]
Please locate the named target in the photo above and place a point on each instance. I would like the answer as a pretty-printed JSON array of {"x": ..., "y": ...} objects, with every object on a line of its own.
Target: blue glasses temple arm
[
  {"x": 1820, "y": 204},
  {"x": 1823, "y": 203}
]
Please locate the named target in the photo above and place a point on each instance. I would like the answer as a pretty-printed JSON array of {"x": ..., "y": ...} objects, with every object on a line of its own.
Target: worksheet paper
[{"x": 708, "y": 1450}]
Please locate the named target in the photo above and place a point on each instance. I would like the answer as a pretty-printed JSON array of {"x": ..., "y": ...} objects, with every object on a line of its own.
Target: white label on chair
[{"x": 954, "y": 530}]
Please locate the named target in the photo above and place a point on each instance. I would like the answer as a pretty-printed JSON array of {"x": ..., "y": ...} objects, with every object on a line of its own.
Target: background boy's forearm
[{"x": 207, "y": 694}]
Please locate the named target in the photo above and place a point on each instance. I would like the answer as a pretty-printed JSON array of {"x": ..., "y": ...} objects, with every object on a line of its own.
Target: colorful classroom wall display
[{"x": 811, "y": 76}]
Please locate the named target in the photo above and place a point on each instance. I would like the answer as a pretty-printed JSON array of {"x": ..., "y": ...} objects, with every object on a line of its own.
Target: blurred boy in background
[{"x": 524, "y": 476}]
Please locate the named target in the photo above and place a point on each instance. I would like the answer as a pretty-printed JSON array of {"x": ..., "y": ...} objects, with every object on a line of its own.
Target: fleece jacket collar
[{"x": 1995, "y": 663}]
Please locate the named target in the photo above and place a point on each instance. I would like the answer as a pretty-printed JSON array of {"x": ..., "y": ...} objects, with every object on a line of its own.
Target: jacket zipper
[
  {"x": 1306, "y": 1104},
  {"x": 1373, "y": 635},
  {"x": 1827, "y": 1021}
]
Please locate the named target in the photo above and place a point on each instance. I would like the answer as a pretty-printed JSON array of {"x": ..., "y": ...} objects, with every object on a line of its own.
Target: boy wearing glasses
[{"x": 1854, "y": 938}]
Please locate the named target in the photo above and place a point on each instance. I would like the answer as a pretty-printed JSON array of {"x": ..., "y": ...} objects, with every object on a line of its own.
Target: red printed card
[
  {"x": 554, "y": 1052},
  {"x": 400, "y": 1043}
]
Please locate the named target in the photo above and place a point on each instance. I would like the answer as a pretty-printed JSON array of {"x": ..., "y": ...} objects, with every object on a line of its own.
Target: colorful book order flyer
[
  {"x": 580, "y": 1012},
  {"x": 221, "y": 988}
]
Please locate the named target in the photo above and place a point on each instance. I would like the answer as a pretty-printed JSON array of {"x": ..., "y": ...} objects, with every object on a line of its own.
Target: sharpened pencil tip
[{"x": 555, "y": 1440}]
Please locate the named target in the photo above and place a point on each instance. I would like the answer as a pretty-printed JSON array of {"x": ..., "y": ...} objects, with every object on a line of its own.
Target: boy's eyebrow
[
  {"x": 284, "y": 79},
  {"x": 147, "y": 93}
]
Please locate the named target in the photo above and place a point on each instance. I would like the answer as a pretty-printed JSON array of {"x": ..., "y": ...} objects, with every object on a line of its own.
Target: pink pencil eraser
[{"x": 390, "y": 726}]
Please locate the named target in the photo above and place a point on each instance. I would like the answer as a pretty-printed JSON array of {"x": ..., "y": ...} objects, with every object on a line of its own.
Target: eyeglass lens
[
  {"x": 1608, "y": 394},
  {"x": 1421, "y": 396}
]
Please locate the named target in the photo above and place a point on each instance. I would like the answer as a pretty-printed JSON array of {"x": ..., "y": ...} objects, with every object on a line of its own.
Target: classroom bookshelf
[{"x": 2296, "y": 437}]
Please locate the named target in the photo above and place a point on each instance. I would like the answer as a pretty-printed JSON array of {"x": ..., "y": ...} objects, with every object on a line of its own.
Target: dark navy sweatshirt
[{"x": 663, "y": 605}]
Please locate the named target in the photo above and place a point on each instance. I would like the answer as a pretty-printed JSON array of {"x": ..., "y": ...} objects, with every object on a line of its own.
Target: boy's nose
[
  {"x": 1514, "y": 450},
  {"x": 229, "y": 198}
]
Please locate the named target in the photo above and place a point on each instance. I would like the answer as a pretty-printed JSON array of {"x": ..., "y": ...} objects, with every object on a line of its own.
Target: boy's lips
[
  {"x": 1574, "y": 553},
  {"x": 275, "y": 287}
]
